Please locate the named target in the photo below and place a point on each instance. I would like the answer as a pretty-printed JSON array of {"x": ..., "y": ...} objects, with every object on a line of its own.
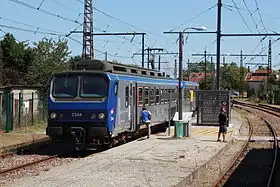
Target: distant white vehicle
[{"x": 234, "y": 93}]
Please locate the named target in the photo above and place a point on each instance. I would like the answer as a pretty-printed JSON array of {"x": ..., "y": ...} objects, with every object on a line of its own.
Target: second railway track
[{"x": 256, "y": 163}]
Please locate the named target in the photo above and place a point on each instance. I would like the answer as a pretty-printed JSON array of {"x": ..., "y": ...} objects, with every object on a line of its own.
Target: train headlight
[
  {"x": 53, "y": 115},
  {"x": 101, "y": 116}
]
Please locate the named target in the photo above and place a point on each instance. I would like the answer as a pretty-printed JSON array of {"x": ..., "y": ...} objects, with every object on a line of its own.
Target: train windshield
[
  {"x": 83, "y": 85},
  {"x": 65, "y": 86},
  {"x": 93, "y": 86}
]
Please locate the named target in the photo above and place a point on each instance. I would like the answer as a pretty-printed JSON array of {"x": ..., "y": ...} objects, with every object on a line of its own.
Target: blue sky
[{"x": 153, "y": 17}]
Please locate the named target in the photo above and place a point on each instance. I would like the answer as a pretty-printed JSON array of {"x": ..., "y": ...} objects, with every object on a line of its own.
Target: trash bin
[
  {"x": 187, "y": 129},
  {"x": 179, "y": 129}
]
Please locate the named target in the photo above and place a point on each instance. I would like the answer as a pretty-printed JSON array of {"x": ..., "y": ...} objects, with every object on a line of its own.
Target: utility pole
[
  {"x": 205, "y": 68},
  {"x": 269, "y": 59},
  {"x": 241, "y": 73},
  {"x": 180, "y": 109},
  {"x": 155, "y": 53},
  {"x": 175, "y": 69},
  {"x": 88, "y": 52},
  {"x": 213, "y": 73},
  {"x": 188, "y": 69},
  {"x": 106, "y": 56},
  {"x": 158, "y": 62},
  {"x": 269, "y": 69},
  {"x": 219, "y": 24},
  {"x": 121, "y": 34}
]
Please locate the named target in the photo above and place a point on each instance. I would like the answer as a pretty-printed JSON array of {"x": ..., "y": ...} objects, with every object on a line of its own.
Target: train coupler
[{"x": 78, "y": 135}]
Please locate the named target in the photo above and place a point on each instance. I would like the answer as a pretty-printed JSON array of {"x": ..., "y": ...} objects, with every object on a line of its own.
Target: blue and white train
[{"x": 100, "y": 102}]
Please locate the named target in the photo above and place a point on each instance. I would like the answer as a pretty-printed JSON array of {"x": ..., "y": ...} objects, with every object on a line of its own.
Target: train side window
[
  {"x": 146, "y": 96},
  {"x": 166, "y": 95},
  {"x": 152, "y": 96},
  {"x": 173, "y": 95},
  {"x": 140, "y": 96},
  {"x": 126, "y": 96},
  {"x": 162, "y": 96},
  {"x": 157, "y": 96}
]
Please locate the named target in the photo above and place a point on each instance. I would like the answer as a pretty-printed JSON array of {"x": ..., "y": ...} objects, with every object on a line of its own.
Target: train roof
[
  {"x": 125, "y": 72},
  {"x": 117, "y": 68}
]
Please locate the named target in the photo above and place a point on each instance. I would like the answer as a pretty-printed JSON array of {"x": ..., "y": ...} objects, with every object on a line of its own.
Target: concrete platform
[{"x": 158, "y": 161}]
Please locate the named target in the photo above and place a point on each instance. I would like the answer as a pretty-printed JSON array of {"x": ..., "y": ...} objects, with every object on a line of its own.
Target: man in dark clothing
[{"x": 223, "y": 124}]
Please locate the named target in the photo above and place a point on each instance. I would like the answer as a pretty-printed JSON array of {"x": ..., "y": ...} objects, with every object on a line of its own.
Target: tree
[
  {"x": 72, "y": 61},
  {"x": 50, "y": 57},
  {"x": 209, "y": 83},
  {"x": 15, "y": 60}
]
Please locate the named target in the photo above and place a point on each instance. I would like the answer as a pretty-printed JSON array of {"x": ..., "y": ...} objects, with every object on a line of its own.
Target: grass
[{"x": 39, "y": 126}]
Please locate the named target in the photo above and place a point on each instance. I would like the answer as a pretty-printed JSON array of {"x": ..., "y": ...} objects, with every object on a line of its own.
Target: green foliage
[
  {"x": 25, "y": 65},
  {"x": 208, "y": 84},
  {"x": 72, "y": 61},
  {"x": 231, "y": 77}
]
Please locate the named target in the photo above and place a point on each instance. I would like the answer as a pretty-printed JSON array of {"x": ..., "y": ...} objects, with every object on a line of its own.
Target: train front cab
[{"x": 81, "y": 108}]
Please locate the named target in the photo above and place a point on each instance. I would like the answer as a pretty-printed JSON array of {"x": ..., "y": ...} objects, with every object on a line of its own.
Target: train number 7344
[{"x": 77, "y": 114}]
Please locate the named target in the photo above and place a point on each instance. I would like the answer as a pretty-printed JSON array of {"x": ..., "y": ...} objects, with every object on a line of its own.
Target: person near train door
[
  {"x": 145, "y": 119},
  {"x": 222, "y": 124}
]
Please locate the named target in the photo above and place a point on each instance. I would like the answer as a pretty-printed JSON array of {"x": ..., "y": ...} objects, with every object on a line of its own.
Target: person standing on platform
[
  {"x": 222, "y": 124},
  {"x": 145, "y": 119}
]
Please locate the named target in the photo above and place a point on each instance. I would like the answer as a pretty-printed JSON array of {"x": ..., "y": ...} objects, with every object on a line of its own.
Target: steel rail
[
  {"x": 222, "y": 177},
  {"x": 27, "y": 164},
  {"x": 274, "y": 133}
]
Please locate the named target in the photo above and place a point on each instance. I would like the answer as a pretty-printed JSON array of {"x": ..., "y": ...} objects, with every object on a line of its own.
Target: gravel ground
[
  {"x": 254, "y": 165},
  {"x": 251, "y": 171},
  {"x": 32, "y": 170}
]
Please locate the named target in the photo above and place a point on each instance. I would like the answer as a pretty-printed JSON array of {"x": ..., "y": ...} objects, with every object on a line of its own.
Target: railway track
[
  {"x": 33, "y": 160},
  {"x": 226, "y": 178}
]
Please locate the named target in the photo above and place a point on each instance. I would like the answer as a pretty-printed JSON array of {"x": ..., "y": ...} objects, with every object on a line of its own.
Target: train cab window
[
  {"x": 140, "y": 96},
  {"x": 146, "y": 96},
  {"x": 126, "y": 96},
  {"x": 152, "y": 96},
  {"x": 157, "y": 96}
]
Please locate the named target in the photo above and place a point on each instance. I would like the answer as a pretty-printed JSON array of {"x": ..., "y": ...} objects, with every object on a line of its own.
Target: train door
[{"x": 130, "y": 99}]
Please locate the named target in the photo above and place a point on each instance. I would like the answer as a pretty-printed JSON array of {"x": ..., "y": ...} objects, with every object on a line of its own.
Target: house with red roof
[
  {"x": 255, "y": 81},
  {"x": 196, "y": 77}
]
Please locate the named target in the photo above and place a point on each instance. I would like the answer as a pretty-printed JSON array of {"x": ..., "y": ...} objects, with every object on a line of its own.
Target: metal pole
[
  {"x": 241, "y": 73},
  {"x": 219, "y": 23},
  {"x": 213, "y": 79},
  {"x": 180, "y": 74},
  {"x": 106, "y": 56},
  {"x": 175, "y": 69},
  {"x": 205, "y": 68},
  {"x": 143, "y": 50},
  {"x": 148, "y": 57},
  {"x": 159, "y": 62},
  {"x": 188, "y": 69},
  {"x": 268, "y": 71}
]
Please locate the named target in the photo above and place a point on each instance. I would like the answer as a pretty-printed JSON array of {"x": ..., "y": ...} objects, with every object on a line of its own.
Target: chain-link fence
[{"x": 22, "y": 108}]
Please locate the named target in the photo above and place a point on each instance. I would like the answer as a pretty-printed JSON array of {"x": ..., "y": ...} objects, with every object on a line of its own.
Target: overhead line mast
[{"x": 88, "y": 52}]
